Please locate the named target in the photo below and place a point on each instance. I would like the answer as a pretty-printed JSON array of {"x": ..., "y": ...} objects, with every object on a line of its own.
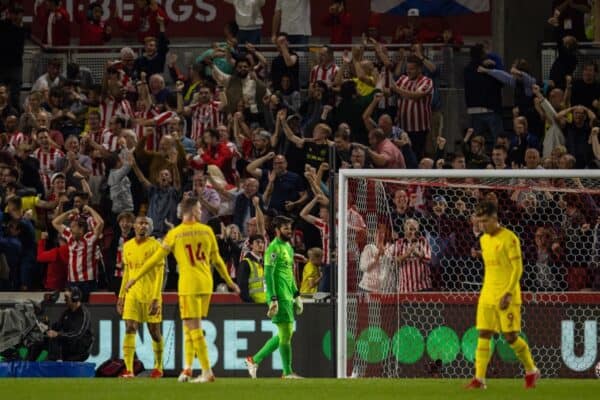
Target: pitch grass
[{"x": 306, "y": 389}]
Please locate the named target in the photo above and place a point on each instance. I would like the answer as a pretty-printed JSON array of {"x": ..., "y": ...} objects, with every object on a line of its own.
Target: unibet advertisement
[
  {"x": 407, "y": 339},
  {"x": 233, "y": 332}
]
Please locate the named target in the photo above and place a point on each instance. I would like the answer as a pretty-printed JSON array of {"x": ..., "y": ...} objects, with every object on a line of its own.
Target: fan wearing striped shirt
[
  {"x": 414, "y": 105},
  {"x": 205, "y": 113},
  {"x": 326, "y": 69},
  {"x": 413, "y": 258},
  {"x": 82, "y": 271}
]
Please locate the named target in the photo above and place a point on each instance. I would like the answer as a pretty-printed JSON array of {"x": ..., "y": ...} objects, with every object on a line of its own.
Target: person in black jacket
[
  {"x": 155, "y": 54},
  {"x": 71, "y": 337},
  {"x": 11, "y": 68},
  {"x": 483, "y": 95}
]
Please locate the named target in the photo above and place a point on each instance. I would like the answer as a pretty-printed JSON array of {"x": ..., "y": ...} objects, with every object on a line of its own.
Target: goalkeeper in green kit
[{"x": 284, "y": 298}]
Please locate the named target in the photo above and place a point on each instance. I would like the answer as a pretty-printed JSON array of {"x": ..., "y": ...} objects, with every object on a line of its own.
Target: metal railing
[
  {"x": 587, "y": 51},
  {"x": 450, "y": 60}
]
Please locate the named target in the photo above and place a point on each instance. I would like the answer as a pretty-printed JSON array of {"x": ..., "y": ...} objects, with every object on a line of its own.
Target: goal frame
[{"x": 343, "y": 177}]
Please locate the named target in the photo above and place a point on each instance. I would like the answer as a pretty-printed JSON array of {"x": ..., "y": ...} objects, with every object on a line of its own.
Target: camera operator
[{"x": 71, "y": 337}]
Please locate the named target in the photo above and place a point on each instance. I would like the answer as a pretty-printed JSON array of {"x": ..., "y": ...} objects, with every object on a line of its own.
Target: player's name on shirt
[{"x": 193, "y": 233}]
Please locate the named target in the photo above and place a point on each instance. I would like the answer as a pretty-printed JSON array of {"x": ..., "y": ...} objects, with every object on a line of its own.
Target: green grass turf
[{"x": 306, "y": 389}]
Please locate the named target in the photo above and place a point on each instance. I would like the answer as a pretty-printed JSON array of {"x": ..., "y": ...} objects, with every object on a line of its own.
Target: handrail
[
  {"x": 265, "y": 46},
  {"x": 579, "y": 44}
]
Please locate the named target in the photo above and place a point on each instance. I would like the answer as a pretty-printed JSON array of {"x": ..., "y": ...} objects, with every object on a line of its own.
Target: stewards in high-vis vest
[{"x": 251, "y": 278}]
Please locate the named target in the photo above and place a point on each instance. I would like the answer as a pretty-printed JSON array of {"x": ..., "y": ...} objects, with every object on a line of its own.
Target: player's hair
[
  {"x": 188, "y": 204},
  {"x": 486, "y": 209},
  {"x": 315, "y": 251},
  {"x": 280, "y": 221}
]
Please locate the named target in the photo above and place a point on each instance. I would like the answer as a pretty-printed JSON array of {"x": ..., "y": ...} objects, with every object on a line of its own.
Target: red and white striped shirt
[
  {"x": 145, "y": 114},
  {"x": 415, "y": 274},
  {"x": 415, "y": 115},
  {"x": 109, "y": 108},
  {"x": 97, "y": 135},
  {"x": 119, "y": 261},
  {"x": 47, "y": 161},
  {"x": 160, "y": 119},
  {"x": 15, "y": 139},
  {"x": 204, "y": 116},
  {"x": 110, "y": 141},
  {"x": 323, "y": 227},
  {"x": 82, "y": 263},
  {"x": 325, "y": 73}
]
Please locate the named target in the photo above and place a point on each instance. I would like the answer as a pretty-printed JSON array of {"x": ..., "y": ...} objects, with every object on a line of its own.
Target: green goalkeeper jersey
[{"x": 279, "y": 271}]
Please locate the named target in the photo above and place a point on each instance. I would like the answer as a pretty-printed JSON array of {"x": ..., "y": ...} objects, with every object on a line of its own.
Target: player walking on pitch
[
  {"x": 194, "y": 246},
  {"x": 499, "y": 307},
  {"x": 143, "y": 302},
  {"x": 284, "y": 298}
]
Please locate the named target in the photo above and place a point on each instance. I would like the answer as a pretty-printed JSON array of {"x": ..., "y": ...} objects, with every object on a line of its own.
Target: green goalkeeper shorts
[{"x": 285, "y": 313}]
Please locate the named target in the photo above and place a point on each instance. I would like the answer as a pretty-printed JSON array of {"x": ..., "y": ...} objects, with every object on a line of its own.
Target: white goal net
[{"x": 409, "y": 270}]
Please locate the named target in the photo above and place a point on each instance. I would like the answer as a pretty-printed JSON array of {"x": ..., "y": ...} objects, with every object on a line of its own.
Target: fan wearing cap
[
  {"x": 71, "y": 337},
  {"x": 58, "y": 188}
]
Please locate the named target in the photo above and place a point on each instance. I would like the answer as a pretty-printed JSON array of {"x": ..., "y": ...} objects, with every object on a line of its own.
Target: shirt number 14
[{"x": 195, "y": 256}]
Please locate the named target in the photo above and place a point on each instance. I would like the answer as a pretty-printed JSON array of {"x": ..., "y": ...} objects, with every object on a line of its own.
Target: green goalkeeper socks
[{"x": 285, "y": 331}]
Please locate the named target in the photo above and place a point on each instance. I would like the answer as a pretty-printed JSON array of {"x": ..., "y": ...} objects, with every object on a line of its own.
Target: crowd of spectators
[{"x": 251, "y": 140}]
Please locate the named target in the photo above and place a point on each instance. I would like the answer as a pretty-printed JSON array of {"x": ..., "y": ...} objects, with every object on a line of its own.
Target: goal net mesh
[{"x": 416, "y": 317}]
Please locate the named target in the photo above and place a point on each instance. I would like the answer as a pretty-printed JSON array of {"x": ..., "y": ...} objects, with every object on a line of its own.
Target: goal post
[{"x": 439, "y": 340}]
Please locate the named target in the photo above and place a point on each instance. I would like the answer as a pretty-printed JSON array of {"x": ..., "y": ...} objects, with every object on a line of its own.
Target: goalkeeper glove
[
  {"x": 298, "y": 306},
  {"x": 273, "y": 309}
]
